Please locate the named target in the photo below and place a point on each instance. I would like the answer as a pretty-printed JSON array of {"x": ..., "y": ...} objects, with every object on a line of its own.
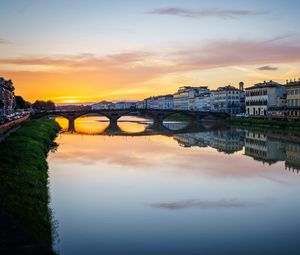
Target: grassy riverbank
[
  {"x": 24, "y": 178},
  {"x": 276, "y": 126}
]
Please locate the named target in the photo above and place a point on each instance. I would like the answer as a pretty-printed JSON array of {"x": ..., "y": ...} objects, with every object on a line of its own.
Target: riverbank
[
  {"x": 24, "y": 188},
  {"x": 276, "y": 126}
]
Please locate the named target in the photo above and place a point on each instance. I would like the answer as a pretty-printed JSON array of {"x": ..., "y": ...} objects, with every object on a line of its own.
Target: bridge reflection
[
  {"x": 149, "y": 128},
  {"x": 265, "y": 147}
]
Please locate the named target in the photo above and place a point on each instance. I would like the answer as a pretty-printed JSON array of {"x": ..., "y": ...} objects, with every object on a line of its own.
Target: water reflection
[
  {"x": 205, "y": 189},
  {"x": 266, "y": 147}
]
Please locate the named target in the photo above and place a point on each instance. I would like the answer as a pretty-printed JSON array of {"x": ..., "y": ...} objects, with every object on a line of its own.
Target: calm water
[{"x": 137, "y": 189}]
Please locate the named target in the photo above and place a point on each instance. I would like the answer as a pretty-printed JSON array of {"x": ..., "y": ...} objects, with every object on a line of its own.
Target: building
[
  {"x": 122, "y": 105},
  {"x": 265, "y": 98},
  {"x": 185, "y": 97},
  {"x": 7, "y": 97},
  {"x": 140, "y": 104},
  {"x": 103, "y": 105},
  {"x": 165, "y": 102},
  {"x": 151, "y": 103},
  {"x": 227, "y": 99},
  {"x": 203, "y": 102},
  {"x": 293, "y": 98}
]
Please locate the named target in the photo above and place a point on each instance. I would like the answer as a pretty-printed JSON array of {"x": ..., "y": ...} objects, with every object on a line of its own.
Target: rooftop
[
  {"x": 265, "y": 84},
  {"x": 228, "y": 87},
  {"x": 293, "y": 83}
]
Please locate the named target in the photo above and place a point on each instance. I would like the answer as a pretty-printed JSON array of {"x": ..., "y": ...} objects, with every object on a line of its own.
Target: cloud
[
  {"x": 80, "y": 60},
  {"x": 137, "y": 74},
  {"x": 201, "y": 13},
  {"x": 202, "y": 204},
  {"x": 212, "y": 55},
  {"x": 267, "y": 68},
  {"x": 236, "y": 53}
]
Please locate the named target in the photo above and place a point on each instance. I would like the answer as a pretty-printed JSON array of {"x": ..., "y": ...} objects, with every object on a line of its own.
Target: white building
[
  {"x": 140, "y": 105},
  {"x": 151, "y": 103},
  {"x": 165, "y": 102},
  {"x": 203, "y": 102},
  {"x": 185, "y": 97},
  {"x": 227, "y": 99},
  {"x": 103, "y": 105},
  {"x": 264, "y": 98},
  {"x": 121, "y": 105}
]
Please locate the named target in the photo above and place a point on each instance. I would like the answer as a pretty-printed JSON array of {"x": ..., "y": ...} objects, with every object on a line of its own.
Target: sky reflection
[{"x": 152, "y": 195}]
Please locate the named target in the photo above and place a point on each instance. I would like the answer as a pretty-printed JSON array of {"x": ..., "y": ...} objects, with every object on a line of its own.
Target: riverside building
[
  {"x": 185, "y": 97},
  {"x": 103, "y": 105},
  {"x": 265, "y": 98},
  {"x": 227, "y": 99},
  {"x": 7, "y": 97},
  {"x": 293, "y": 98}
]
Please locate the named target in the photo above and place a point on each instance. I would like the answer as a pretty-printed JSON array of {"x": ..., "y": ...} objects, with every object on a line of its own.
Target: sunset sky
[{"x": 90, "y": 50}]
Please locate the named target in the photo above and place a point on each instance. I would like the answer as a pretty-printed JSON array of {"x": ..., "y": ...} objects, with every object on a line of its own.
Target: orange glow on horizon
[{"x": 91, "y": 86}]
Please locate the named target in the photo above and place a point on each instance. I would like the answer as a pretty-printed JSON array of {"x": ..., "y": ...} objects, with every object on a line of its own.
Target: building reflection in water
[
  {"x": 226, "y": 140},
  {"x": 266, "y": 147},
  {"x": 292, "y": 160}
]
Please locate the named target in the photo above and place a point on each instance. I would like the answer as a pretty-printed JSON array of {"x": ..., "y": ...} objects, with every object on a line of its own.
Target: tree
[
  {"x": 20, "y": 102},
  {"x": 44, "y": 106},
  {"x": 50, "y": 105}
]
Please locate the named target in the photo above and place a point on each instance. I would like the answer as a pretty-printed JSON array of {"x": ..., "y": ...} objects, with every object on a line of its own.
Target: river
[{"x": 215, "y": 190}]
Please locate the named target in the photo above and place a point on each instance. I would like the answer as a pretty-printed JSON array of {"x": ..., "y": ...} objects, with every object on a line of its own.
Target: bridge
[{"x": 158, "y": 116}]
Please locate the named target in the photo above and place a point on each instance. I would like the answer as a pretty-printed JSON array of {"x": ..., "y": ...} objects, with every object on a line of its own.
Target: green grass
[{"x": 24, "y": 177}]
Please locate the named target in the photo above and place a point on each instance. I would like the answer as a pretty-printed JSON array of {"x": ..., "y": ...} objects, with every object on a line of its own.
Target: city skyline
[{"x": 88, "y": 51}]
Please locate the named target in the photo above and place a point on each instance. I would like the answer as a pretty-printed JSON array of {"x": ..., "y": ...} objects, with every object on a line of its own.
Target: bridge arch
[{"x": 64, "y": 126}]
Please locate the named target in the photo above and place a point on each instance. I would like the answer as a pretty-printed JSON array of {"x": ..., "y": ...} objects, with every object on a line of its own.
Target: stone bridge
[{"x": 158, "y": 116}]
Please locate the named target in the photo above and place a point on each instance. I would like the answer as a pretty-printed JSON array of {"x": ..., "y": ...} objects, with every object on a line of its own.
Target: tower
[{"x": 241, "y": 85}]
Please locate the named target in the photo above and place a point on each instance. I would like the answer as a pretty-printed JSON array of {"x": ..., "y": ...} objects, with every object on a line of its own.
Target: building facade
[
  {"x": 293, "y": 98},
  {"x": 151, "y": 103},
  {"x": 265, "y": 98},
  {"x": 7, "y": 97},
  {"x": 165, "y": 102},
  {"x": 227, "y": 99},
  {"x": 185, "y": 97},
  {"x": 140, "y": 105},
  {"x": 103, "y": 105},
  {"x": 122, "y": 105},
  {"x": 203, "y": 102}
]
